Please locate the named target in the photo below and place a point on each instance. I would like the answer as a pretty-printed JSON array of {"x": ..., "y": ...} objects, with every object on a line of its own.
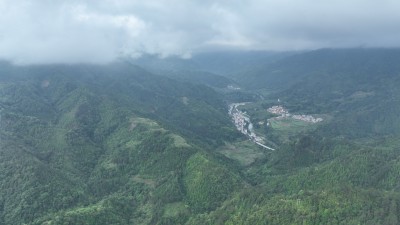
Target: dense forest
[{"x": 119, "y": 144}]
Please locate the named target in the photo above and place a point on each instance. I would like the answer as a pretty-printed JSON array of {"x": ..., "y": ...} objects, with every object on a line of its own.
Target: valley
[{"x": 185, "y": 112}]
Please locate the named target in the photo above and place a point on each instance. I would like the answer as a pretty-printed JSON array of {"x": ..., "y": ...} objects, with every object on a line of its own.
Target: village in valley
[
  {"x": 284, "y": 113},
  {"x": 244, "y": 125}
]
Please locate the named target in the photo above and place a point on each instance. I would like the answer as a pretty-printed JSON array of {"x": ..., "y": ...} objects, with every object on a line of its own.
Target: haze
[{"x": 33, "y": 32}]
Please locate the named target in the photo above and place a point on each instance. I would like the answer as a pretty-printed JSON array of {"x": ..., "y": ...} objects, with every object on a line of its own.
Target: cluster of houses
[
  {"x": 231, "y": 87},
  {"x": 307, "y": 118},
  {"x": 284, "y": 113},
  {"x": 278, "y": 110},
  {"x": 244, "y": 125},
  {"x": 240, "y": 122}
]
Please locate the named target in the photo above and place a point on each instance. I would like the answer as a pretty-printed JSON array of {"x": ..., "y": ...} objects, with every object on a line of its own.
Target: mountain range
[{"x": 150, "y": 140}]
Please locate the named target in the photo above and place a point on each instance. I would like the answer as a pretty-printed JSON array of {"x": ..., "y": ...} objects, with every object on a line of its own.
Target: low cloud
[{"x": 100, "y": 31}]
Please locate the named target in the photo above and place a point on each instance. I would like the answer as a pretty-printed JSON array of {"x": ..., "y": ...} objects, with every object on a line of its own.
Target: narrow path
[{"x": 265, "y": 146}]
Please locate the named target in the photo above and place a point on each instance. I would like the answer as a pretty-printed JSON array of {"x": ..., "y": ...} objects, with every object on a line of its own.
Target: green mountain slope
[{"x": 105, "y": 145}]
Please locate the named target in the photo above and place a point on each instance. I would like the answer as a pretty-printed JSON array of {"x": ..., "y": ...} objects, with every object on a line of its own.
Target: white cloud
[{"x": 99, "y": 31}]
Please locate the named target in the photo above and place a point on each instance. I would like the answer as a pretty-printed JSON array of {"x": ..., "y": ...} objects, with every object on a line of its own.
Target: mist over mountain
[{"x": 99, "y": 32}]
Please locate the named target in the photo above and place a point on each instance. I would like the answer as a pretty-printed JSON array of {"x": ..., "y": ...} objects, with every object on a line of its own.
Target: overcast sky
[{"x": 70, "y": 31}]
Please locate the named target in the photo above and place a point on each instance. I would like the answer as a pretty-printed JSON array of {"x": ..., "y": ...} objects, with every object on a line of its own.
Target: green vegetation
[
  {"x": 244, "y": 152},
  {"x": 105, "y": 145},
  {"x": 115, "y": 144},
  {"x": 207, "y": 183},
  {"x": 284, "y": 129}
]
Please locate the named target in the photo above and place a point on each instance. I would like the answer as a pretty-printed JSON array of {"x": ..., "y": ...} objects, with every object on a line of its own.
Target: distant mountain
[
  {"x": 289, "y": 70},
  {"x": 181, "y": 69},
  {"x": 215, "y": 69},
  {"x": 233, "y": 63}
]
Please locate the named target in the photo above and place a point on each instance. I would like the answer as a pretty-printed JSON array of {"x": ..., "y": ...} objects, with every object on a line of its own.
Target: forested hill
[
  {"x": 183, "y": 106},
  {"x": 113, "y": 144}
]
